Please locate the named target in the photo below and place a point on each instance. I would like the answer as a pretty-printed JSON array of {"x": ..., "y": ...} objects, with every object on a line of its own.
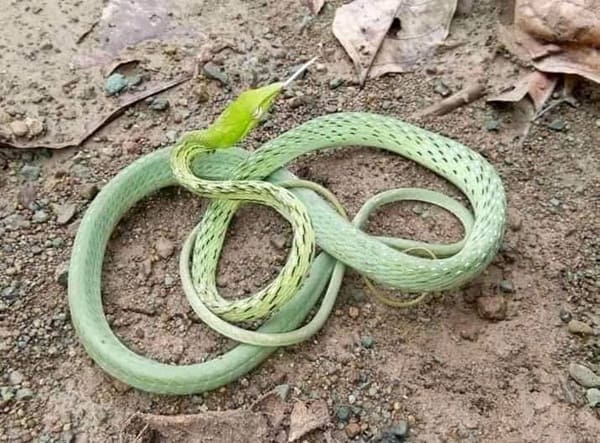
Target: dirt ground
[{"x": 444, "y": 368}]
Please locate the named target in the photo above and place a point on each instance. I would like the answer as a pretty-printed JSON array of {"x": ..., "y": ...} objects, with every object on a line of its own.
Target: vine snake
[{"x": 206, "y": 163}]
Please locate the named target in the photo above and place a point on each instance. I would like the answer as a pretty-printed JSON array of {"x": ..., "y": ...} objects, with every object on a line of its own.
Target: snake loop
[{"x": 344, "y": 243}]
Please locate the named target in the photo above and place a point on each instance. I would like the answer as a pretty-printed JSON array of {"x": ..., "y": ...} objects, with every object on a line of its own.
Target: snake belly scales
[{"x": 343, "y": 243}]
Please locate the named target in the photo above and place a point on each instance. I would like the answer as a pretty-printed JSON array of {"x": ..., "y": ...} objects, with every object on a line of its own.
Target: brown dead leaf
[
  {"x": 306, "y": 418},
  {"x": 557, "y": 36},
  {"x": 314, "y": 6},
  {"x": 383, "y": 36},
  {"x": 537, "y": 85},
  {"x": 212, "y": 426}
]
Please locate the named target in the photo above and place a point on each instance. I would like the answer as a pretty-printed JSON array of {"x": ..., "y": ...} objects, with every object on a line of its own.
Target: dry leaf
[
  {"x": 315, "y": 6},
  {"x": 383, "y": 36},
  {"x": 537, "y": 85},
  {"x": 214, "y": 426},
  {"x": 306, "y": 418},
  {"x": 558, "y": 36}
]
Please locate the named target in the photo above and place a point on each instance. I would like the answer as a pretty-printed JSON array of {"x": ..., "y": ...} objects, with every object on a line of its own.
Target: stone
[
  {"x": 35, "y": 127},
  {"x": 352, "y": 430},
  {"x": 7, "y": 393},
  {"x": 30, "y": 172},
  {"x": 302, "y": 100},
  {"x": 159, "y": 104},
  {"x": 89, "y": 191},
  {"x": 336, "y": 83},
  {"x": 6, "y": 118},
  {"x": 282, "y": 391},
  {"x": 61, "y": 274},
  {"x": 19, "y": 128},
  {"x": 507, "y": 286},
  {"x": 492, "y": 124},
  {"x": 279, "y": 241},
  {"x": 15, "y": 378},
  {"x": 115, "y": 84},
  {"x": 343, "y": 413},
  {"x": 593, "y": 397},
  {"x": 201, "y": 94},
  {"x": 558, "y": 125},
  {"x": 367, "y": 342},
  {"x": 580, "y": 328},
  {"x": 169, "y": 281},
  {"x": 353, "y": 312},
  {"x": 396, "y": 433},
  {"x": 64, "y": 213},
  {"x": 40, "y": 216},
  {"x": 584, "y": 376},
  {"x": 212, "y": 71},
  {"x": 27, "y": 195},
  {"x": 164, "y": 247},
  {"x": 492, "y": 307},
  {"x": 24, "y": 394}
]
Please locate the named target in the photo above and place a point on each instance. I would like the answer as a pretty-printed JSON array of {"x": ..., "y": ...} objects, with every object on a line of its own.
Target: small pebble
[
  {"x": 164, "y": 247},
  {"x": 507, "y": 286},
  {"x": 442, "y": 88},
  {"x": 492, "y": 308},
  {"x": 89, "y": 191},
  {"x": 302, "y": 100},
  {"x": 40, "y": 216},
  {"x": 19, "y": 128},
  {"x": 64, "y": 213},
  {"x": 278, "y": 241},
  {"x": 492, "y": 125},
  {"x": 115, "y": 84},
  {"x": 201, "y": 94},
  {"x": 34, "y": 127},
  {"x": 24, "y": 394},
  {"x": 27, "y": 195},
  {"x": 336, "y": 83},
  {"x": 353, "y": 312},
  {"x": 61, "y": 274},
  {"x": 15, "y": 378},
  {"x": 584, "y": 376},
  {"x": 558, "y": 125},
  {"x": 367, "y": 341},
  {"x": 343, "y": 413},
  {"x": 565, "y": 315},
  {"x": 6, "y": 393},
  {"x": 282, "y": 391},
  {"x": 159, "y": 104},
  {"x": 396, "y": 433},
  {"x": 352, "y": 430},
  {"x": 593, "y": 397},
  {"x": 169, "y": 281},
  {"x": 580, "y": 328},
  {"x": 31, "y": 173},
  {"x": 212, "y": 71}
]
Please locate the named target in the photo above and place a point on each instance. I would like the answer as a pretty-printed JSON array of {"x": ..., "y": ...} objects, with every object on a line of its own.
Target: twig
[
  {"x": 461, "y": 98},
  {"x": 103, "y": 121}
]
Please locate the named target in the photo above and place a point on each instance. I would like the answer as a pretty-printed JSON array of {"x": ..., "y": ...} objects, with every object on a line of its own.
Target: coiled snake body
[{"x": 232, "y": 176}]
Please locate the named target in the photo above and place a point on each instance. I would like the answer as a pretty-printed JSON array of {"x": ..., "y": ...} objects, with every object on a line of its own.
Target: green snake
[{"x": 206, "y": 163}]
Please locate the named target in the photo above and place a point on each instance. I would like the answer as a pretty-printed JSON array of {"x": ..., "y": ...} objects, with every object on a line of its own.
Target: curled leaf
[
  {"x": 382, "y": 36},
  {"x": 537, "y": 85},
  {"x": 557, "y": 36}
]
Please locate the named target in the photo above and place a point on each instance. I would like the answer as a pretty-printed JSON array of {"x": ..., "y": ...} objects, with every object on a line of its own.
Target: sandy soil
[{"x": 444, "y": 367}]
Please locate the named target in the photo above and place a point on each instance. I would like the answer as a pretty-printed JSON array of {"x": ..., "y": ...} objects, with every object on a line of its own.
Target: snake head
[{"x": 246, "y": 112}]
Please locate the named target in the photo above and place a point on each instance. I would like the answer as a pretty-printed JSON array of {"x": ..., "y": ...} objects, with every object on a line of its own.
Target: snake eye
[{"x": 258, "y": 112}]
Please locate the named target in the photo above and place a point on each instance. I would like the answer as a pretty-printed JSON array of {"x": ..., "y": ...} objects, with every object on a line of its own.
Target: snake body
[{"x": 234, "y": 176}]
